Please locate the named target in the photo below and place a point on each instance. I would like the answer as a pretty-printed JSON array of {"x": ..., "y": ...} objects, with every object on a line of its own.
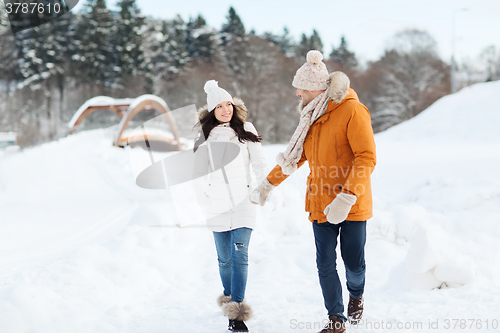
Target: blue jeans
[
  {"x": 352, "y": 248},
  {"x": 232, "y": 254}
]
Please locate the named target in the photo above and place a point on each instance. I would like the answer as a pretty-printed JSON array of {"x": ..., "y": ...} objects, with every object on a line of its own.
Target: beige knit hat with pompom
[
  {"x": 216, "y": 95},
  {"x": 313, "y": 75}
]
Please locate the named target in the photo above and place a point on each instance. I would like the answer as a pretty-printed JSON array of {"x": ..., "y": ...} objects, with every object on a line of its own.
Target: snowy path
[
  {"x": 82, "y": 248},
  {"x": 61, "y": 198}
]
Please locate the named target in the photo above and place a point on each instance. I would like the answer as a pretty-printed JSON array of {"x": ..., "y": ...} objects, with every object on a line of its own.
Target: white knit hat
[
  {"x": 215, "y": 94},
  {"x": 313, "y": 75}
]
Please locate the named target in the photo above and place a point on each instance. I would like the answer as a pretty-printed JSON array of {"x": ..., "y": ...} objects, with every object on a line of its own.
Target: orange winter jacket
[{"x": 340, "y": 149}]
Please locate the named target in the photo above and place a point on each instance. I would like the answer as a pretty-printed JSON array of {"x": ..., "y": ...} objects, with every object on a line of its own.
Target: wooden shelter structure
[{"x": 127, "y": 109}]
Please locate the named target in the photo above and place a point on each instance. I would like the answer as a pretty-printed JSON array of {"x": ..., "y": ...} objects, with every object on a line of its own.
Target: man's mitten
[{"x": 337, "y": 211}]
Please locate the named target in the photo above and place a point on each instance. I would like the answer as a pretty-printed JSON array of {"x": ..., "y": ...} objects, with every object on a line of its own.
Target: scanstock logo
[
  {"x": 163, "y": 158},
  {"x": 19, "y": 15}
]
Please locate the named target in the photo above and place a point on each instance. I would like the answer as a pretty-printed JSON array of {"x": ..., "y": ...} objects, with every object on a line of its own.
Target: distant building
[{"x": 8, "y": 139}]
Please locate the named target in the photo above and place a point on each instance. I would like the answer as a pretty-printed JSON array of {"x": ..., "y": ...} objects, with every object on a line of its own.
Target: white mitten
[
  {"x": 337, "y": 211},
  {"x": 260, "y": 194}
]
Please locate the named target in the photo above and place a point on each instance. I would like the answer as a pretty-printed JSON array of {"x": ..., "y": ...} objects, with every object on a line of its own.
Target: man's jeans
[
  {"x": 232, "y": 253},
  {"x": 352, "y": 248}
]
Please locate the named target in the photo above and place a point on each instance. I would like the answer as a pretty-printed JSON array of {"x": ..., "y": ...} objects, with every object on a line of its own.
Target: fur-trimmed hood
[
  {"x": 338, "y": 86},
  {"x": 239, "y": 108}
]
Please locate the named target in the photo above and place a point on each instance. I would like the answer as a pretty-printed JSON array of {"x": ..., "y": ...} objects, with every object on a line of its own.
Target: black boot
[
  {"x": 238, "y": 326},
  {"x": 237, "y": 312}
]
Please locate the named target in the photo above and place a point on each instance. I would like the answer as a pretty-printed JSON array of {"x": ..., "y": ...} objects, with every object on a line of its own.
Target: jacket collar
[{"x": 332, "y": 105}]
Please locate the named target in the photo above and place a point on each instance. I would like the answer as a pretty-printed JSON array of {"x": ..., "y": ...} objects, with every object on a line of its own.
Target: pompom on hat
[
  {"x": 313, "y": 75},
  {"x": 215, "y": 94}
]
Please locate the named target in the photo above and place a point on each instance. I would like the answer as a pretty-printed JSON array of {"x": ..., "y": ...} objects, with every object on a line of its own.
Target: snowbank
[{"x": 446, "y": 192}]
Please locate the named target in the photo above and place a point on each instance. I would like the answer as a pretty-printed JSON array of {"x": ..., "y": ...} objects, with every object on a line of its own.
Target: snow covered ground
[{"x": 83, "y": 249}]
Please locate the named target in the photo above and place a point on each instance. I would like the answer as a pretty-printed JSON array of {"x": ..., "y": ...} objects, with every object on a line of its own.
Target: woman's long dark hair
[{"x": 236, "y": 123}]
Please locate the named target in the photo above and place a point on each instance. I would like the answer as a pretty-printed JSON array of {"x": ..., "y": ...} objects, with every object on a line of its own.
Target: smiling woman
[{"x": 224, "y": 193}]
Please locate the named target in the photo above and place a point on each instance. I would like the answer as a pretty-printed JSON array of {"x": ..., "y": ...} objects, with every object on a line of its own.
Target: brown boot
[
  {"x": 335, "y": 325},
  {"x": 355, "y": 309}
]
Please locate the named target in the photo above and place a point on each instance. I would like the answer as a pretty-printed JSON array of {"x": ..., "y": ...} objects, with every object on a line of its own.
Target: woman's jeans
[
  {"x": 232, "y": 253},
  {"x": 352, "y": 248}
]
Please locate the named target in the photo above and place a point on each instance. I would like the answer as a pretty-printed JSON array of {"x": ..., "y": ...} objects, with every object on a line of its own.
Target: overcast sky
[{"x": 366, "y": 24}]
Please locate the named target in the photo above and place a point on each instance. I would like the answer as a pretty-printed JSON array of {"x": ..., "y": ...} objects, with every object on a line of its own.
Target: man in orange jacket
[{"x": 335, "y": 136}]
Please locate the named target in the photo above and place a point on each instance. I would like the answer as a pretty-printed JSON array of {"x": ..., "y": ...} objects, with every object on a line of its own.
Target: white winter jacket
[{"x": 228, "y": 206}]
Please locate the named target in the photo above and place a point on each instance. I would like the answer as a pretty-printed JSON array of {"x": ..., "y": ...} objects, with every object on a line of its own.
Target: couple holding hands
[{"x": 335, "y": 136}]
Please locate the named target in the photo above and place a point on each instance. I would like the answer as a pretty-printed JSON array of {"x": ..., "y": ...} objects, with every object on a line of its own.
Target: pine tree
[
  {"x": 29, "y": 62},
  {"x": 343, "y": 56},
  {"x": 234, "y": 47},
  {"x": 302, "y": 47},
  {"x": 152, "y": 47},
  {"x": 9, "y": 55},
  {"x": 234, "y": 26},
  {"x": 316, "y": 43},
  {"x": 129, "y": 39},
  {"x": 200, "y": 40},
  {"x": 284, "y": 42},
  {"x": 4, "y": 20},
  {"x": 164, "y": 50},
  {"x": 46, "y": 52},
  {"x": 308, "y": 43},
  {"x": 177, "y": 55},
  {"x": 96, "y": 57},
  {"x": 9, "y": 73},
  {"x": 62, "y": 47}
]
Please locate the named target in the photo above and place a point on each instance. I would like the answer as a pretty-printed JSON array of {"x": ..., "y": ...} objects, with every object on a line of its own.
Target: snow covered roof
[
  {"x": 109, "y": 101},
  {"x": 99, "y": 101},
  {"x": 133, "y": 105},
  {"x": 142, "y": 98}
]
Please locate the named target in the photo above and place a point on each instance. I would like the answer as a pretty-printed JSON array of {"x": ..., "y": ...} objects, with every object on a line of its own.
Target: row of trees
[{"x": 49, "y": 71}]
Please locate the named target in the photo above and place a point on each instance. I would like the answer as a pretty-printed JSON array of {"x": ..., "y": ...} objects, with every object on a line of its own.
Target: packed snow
[{"x": 83, "y": 249}]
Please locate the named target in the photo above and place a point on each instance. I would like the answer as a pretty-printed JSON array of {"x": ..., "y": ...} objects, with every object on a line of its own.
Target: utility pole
[{"x": 453, "y": 67}]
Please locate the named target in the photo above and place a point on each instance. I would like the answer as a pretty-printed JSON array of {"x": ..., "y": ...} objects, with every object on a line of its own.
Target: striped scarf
[{"x": 290, "y": 157}]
